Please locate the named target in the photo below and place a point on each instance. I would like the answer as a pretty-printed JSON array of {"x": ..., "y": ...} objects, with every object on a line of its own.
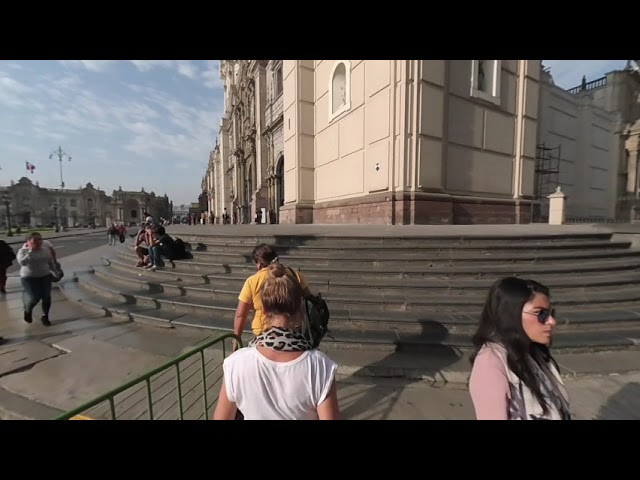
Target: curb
[
  {"x": 453, "y": 377},
  {"x": 74, "y": 234}
]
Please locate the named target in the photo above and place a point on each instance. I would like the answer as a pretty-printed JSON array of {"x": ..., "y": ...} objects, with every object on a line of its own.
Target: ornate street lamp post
[
  {"x": 60, "y": 154},
  {"x": 7, "y": 202},
  {"x": 54, "y": 205}
]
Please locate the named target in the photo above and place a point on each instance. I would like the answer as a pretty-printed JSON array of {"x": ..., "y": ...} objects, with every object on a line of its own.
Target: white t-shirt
[{"x": 266, "y": 390}]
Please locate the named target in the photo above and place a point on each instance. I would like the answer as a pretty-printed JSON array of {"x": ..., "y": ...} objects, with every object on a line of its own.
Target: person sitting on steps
[
  {"x": 162, "y": 245},
  {"x": 145, "y": 236}
]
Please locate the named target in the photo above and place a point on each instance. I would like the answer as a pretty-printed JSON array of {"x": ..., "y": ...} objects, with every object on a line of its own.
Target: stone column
[{"x": 299, "y": 144}]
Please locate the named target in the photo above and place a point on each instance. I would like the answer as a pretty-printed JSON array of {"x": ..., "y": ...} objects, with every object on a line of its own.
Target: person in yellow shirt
[{"x": 249, "y": 298}]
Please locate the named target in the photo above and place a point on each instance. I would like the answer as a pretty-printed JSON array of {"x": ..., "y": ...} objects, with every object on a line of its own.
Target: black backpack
[
  {"x": 6, "y": 252},
  {"x": 178, "y": 250},
  {"x": 317, "y": 314}
]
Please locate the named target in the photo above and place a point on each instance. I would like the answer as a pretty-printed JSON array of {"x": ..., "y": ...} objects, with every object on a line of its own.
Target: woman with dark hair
[
  {"x": 263, "y": 256},
  {"x": 280, "y": 375},
  {"x": 514, "y": 376}
]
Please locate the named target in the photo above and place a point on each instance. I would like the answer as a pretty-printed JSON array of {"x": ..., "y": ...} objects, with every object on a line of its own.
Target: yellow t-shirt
[{"x": 251, "y": 294}]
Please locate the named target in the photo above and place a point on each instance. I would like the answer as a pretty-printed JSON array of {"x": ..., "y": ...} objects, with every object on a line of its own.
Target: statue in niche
[{"x": 481, "y": 75}]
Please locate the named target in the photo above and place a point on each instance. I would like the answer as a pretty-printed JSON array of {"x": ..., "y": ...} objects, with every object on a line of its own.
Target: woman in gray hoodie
[{"x": 36, "y": 264}]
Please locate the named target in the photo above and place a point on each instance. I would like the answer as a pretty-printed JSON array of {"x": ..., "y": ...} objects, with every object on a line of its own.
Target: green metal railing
[{"x": 145, "y": 383}]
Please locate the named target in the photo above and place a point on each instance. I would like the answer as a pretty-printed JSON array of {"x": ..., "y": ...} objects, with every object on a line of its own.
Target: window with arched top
[{"x": 339, "y": 88}]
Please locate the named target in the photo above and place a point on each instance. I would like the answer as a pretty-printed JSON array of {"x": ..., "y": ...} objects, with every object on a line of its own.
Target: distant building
[
  {"x": 33, "y": 205},
  {"x": 588, "y": 144},
  {"x": 181, "y": 210}
]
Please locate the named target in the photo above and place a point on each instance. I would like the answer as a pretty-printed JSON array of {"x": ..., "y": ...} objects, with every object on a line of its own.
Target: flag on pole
[{"x": 31, "y": 167}]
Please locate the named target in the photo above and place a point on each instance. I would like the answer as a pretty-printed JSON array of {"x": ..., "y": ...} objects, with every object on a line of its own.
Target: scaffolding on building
[{"x": 547, "y": 174}]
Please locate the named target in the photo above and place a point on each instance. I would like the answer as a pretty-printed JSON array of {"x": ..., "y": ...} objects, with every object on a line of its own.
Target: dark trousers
[
  {"x": 35, "y": 289},
  {"x": 155, "y": 253},
  {"x": 3, "y": 276}
]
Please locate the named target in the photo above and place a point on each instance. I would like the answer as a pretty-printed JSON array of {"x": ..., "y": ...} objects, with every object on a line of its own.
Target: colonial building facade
[
  {"x": 376, "y": 141},
  {"x": 33, "y": 205},
  {"x": 244, "y": 178},
  {"x": 409, "y": 141},
  {"x": 420, "y": 142}
]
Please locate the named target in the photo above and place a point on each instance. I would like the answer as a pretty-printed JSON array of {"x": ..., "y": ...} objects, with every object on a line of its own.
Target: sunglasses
[{"x": 544, "y": 314}]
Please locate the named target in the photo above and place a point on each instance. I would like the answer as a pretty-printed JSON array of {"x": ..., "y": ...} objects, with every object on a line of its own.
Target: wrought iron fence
[{"x": 185, "y": 388}]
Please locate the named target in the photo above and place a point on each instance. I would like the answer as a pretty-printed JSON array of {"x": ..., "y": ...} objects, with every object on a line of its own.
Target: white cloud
[
  {"x": 24, "y": 150},
  {"x": 47, "y": 134},
  {"x": 99, "y": 66},
  {"x": 12, "y": 131},
  {"x": 147, "y": 65},
  {"x": 211, "y": 75},
  {"x": 184, "y": 67},
  {"x": 12, "y": 92}
]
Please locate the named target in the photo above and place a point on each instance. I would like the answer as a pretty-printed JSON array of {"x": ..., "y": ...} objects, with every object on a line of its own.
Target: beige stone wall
[
  {"x": 477, "y": 144},
  {"x": 589, "y": 150},
  {"x": 481, "y": 136},
  {"x": 408, "y": 128},
  {"x": 349, "y": 146}
]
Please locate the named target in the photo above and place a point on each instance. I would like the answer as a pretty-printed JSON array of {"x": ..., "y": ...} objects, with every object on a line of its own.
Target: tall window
[
  {"x": 279, "y": 81},
  {"x": 485, "y": 80}
]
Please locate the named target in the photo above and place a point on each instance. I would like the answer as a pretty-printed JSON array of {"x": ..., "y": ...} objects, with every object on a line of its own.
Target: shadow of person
[
  {"x": 423, "y": 357},
  {"x": 622, "y": 405}
]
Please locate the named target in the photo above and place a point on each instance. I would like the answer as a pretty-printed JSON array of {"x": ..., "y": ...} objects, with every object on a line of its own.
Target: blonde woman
[{"x": 279, "y": 376}]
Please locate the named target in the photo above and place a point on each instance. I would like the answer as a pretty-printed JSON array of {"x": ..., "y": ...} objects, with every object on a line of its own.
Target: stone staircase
[{"x": 402, "y": 293}]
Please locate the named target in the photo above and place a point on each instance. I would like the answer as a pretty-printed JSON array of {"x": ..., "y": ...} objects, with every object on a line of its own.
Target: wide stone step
[
  {"x": 433, "y": 335},
  {"x": 612, "y": 339},
  {"x": 375, "y": 251},
  {"x": 419, "y": 259},
  {"x": 385, "y": 240},
  {"x": 369, "y": 272},
  {"x": 352, "y": 315},
  {"x": 557, "y": 283},
  {"x": 378, "y": 300}
]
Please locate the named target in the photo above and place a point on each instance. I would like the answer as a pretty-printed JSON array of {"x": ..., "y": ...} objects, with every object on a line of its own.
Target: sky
[{"x": 133, "y": 123}]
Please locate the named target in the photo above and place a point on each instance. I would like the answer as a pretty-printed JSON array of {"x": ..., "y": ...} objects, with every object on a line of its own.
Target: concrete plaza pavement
[
  {"x": 18, "y": 238},
  {"x": 45, "y": 371}
]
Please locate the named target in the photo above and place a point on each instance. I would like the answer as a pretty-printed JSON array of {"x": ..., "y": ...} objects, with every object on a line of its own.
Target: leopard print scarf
[{"x": 282, "y": 340}]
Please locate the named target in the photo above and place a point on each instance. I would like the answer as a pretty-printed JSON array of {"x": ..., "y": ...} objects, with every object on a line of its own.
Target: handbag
[{"x": 57, "y": 273}]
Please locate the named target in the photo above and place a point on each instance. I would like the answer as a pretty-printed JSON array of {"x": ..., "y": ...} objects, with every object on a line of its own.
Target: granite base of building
[{"x": 411, "y": 209}]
